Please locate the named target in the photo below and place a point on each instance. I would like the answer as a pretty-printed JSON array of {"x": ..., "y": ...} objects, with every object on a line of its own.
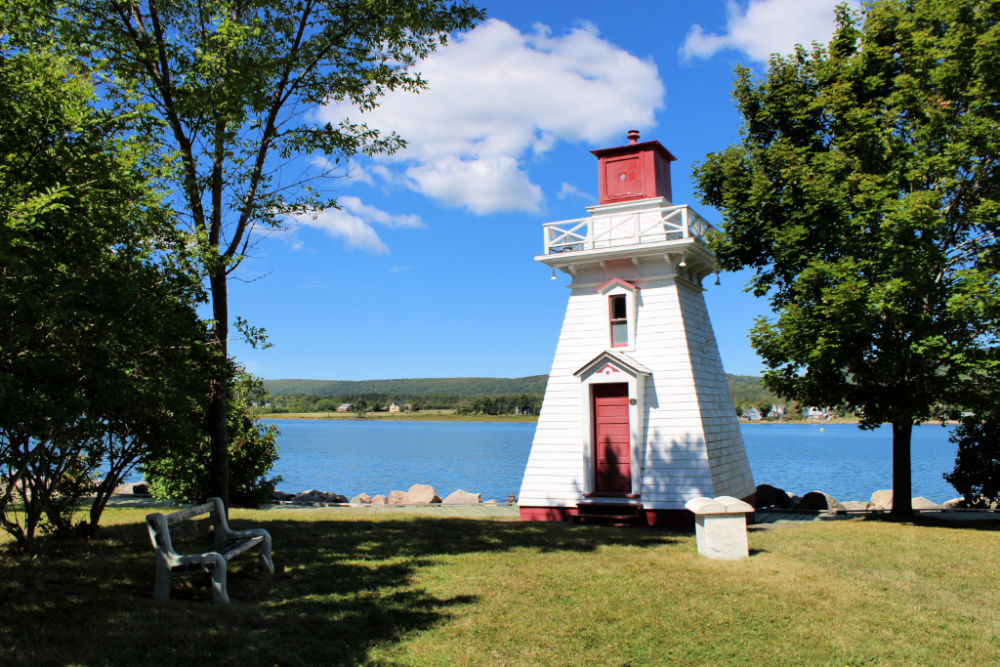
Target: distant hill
[
  {"x": 534, "y": 384},
  {"x": 745, "y": 388}
]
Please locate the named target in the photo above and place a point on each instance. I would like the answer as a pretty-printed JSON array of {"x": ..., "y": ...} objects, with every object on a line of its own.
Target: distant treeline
[{"x": 490, "y": 396}]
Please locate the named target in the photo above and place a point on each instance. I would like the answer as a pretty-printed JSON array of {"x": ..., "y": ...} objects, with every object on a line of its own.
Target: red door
[{"x": 612, "y": 455}]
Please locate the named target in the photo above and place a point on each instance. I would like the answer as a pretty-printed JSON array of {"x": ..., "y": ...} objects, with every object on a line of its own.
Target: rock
[
  {"x": 461, "y": 497},
  {"x": 310, "y": 496},
  {"x": 363, "y": 499},
  {"x": 817, "y": 500},
  {"x": 921, "y": 503},
  {"x": 954, "y": 504},
  {"x": 423, "y": 494},
  {"x": 316, "y": 496},
  {"x": 856, "y": 505},
  {"x": 282, "y": 496},
  {"x": 770, "y": 496},
  {"x": 379, "y": 499},
  {"x": 881, "y": 499},
  {"x": 122, "y": 489},
  {"x": 398, "y": 498},
  {"x": 490, "y": 503},
  {"x": 140, "y": 489}
]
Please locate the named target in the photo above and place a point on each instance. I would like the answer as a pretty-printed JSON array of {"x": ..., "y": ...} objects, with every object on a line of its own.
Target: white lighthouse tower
[{"x": 637, "y": 417}]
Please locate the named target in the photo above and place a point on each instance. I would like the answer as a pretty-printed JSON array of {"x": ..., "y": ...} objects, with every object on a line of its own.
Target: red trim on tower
[
  {"x": 630, "y": 286},
  {"x": 530, "y": 513}
]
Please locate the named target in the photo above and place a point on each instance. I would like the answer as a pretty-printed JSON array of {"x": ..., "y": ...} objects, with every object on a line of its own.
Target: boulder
[
  {"x": 490, "y": 503},
  {"x": 363, "y": 499},
  {"x": 140, "y": 489},
  {"x": 954, "y": 504},
  {"x": 921, "y": 503},
  {"x": 379, "y": 499},
  {"x": 817, "y": 500},
  {"x": 310, "y": 496},
  {"x": 856, "y": 505},
  {"x": 120, "y": 490},
  {"x": 770, "y": 496},
  {"x": 423, "y": 494},
  {"x": 316, "y": 496},
  {"x": 281, "y": 496},
  {"x": 461, "y": 497},
  {"x": 398, "y": 498},
  {"x": 881, "y": 499}
]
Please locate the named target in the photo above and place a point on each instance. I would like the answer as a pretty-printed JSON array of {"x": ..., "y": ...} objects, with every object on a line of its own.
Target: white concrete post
[{"x": 720, "y": 526}]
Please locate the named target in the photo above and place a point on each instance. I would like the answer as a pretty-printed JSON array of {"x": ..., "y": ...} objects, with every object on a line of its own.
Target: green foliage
[
  {"x": 182, "y": 473},
  {"x": 100, "y": 348},
  {"x": 977, "y": 462},
  {"x": 226, "y": 88},
  {"x": 866, "y": 194}
]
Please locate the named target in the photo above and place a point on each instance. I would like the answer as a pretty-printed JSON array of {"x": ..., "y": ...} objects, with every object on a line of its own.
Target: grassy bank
[
  {"x": 392, "y": 589},
  {"x": 423, "y": 415}
]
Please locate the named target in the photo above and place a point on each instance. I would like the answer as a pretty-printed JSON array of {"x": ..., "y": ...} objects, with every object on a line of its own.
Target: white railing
[{"x": 672, "y": 223}]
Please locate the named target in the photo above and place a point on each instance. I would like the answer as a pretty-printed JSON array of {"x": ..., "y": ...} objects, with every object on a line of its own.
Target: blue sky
[{"x": 427, "y": 270}]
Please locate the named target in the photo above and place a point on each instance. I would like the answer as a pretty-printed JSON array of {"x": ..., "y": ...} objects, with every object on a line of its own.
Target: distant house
[
  {"x": 753, "y": 414},
  {"x": 813, "y": 412},
  {"x": 777, "y": 410},
  {"x": 345, "y": 407},
  {"x": 395, "y": 406}
]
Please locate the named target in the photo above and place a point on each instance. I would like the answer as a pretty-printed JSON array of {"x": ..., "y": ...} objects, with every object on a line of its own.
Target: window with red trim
[{"x": 619, "y": 320}]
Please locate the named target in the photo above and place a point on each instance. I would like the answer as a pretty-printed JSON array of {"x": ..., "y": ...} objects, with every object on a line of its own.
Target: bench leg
[
  {"x": 219, "y": 592},
  {"x": 161, "y": 588},
  {"x": 265, "y": 553}
]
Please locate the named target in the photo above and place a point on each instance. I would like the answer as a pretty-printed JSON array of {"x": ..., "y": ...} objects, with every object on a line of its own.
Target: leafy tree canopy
[
  {"x": 101, "y": 352},
  {"x": 228, "y": 86},
  {"x": 866, "y": 193}
]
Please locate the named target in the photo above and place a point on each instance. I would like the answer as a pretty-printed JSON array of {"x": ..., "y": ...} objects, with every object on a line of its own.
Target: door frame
[{"x": 611, "y": 368}]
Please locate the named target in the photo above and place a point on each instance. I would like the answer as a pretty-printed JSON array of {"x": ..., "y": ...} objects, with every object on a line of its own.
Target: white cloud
[
  {"x": 354, "y": 222},
  {"x": 568, "y": 190},
  {"x": 765, "y": 27},
  {"x": 497, "y": 97}
]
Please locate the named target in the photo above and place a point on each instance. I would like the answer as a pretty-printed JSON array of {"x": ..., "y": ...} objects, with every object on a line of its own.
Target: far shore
[{"x": 451, "y": 416}]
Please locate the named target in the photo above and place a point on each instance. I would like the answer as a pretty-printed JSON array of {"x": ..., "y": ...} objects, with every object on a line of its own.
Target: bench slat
[
  {"x": 195, "y": 510},
  {"x": 236, "y": 547}
]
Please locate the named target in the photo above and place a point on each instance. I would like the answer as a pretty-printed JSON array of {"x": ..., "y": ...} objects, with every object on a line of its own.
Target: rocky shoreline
[
  {"x": 766, "y": 498},
  {"x": 772, "y": 498},
  {"x": 418, "y": 494}
]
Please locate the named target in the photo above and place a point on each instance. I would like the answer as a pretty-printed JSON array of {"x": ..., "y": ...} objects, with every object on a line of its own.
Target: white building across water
[{"x": 637, "y": 416}]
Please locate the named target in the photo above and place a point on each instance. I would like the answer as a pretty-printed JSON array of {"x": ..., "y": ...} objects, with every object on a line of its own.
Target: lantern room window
[{"x": 619, "y": 320}]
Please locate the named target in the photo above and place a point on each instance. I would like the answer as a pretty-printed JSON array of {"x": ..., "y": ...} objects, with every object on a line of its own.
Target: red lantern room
[{"x": 634, "y": 171}]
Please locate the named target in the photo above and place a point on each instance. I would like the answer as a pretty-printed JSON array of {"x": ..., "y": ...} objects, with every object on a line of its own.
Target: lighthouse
[{"x": 637, "y": 417}]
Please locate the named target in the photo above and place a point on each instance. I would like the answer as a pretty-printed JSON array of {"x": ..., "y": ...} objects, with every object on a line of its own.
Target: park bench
[{"x": 228, "y": 544}]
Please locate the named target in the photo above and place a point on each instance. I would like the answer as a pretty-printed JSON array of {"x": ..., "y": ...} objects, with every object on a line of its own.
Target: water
[{"x": 353, "y": 457}]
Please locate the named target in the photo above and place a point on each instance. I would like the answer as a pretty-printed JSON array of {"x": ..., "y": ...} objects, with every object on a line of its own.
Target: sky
[{"x": 427, "y": 268}]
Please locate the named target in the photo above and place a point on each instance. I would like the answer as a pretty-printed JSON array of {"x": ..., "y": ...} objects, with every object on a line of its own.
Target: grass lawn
[{"x": 356, "y": 588}]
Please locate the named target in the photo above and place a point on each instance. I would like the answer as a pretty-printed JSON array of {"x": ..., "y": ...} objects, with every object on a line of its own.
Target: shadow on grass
[
  {"x": 342, "y": 587},
  {"x": 991, "y": 523}
]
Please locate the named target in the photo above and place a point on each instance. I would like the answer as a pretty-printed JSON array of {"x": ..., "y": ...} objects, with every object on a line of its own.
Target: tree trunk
[
  {"x": 218, "y": 404},
  {"x": 902, "y": 505}
]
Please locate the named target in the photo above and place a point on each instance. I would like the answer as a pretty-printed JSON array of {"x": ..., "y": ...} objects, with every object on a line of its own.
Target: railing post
[{"x": 684, "y": 216}]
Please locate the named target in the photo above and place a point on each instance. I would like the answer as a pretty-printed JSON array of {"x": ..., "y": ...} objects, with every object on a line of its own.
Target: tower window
[{"x": 619, "y": 321}]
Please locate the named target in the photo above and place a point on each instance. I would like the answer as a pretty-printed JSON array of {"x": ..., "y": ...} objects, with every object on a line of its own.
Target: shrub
[
  {"x": 977, "y": 463},
  {"x": 184, "y": 476}
]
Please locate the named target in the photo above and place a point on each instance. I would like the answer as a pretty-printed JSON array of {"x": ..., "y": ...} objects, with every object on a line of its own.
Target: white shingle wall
[{"x": 694, "y": 446}]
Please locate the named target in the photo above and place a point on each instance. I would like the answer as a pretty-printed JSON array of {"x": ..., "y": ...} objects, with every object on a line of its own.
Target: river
[{"x": 353, "y": 457}]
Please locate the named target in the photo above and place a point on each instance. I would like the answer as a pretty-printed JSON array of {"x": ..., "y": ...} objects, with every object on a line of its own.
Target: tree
[
  {"x": 101, "y": 351},
  {"x": 183, "y": 472},
  {"x": 865, "y": 194},
  {"x": 228, "y": 84}
]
